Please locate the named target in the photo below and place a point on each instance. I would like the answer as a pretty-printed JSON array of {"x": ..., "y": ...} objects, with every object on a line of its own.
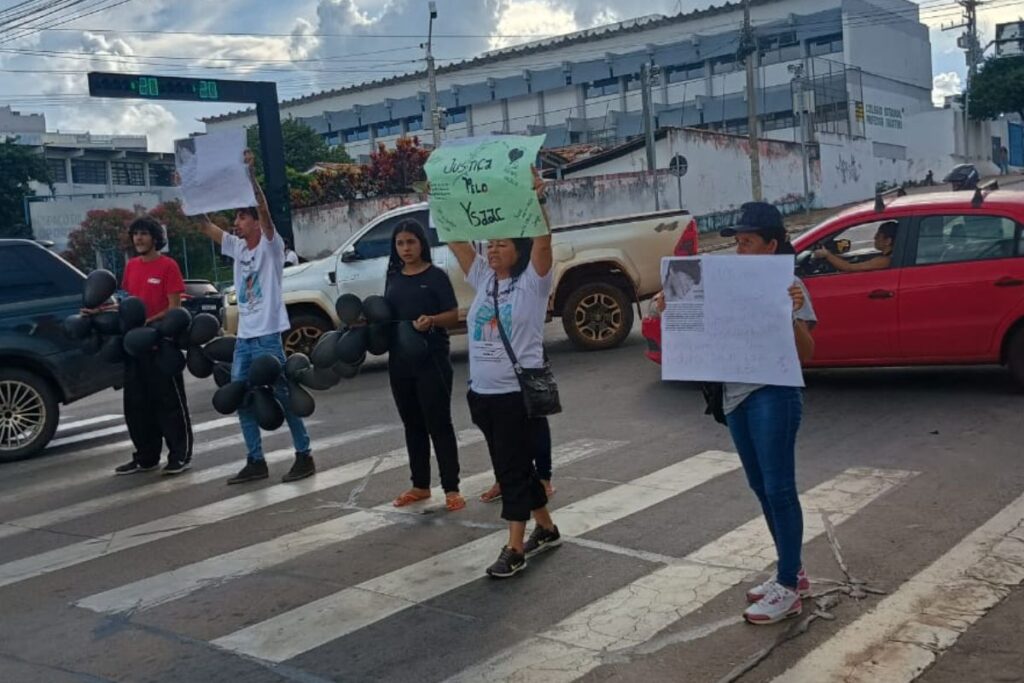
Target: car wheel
[
  {"x": 305, "y": 332},
  {"x": 597, "y": 316},
  {"x": 1015, "y": 357},
  {"x": 28, "y": 414}
]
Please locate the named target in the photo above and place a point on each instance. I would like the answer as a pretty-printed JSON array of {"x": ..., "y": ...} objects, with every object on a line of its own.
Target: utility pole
[
  {"x": 969, "y": 43},
  {"x": 433, "y": 109},
  {"x": 799, "y": 109},
  {"x": 648, "y": 114},
  {"x": 748, "y": 49}
]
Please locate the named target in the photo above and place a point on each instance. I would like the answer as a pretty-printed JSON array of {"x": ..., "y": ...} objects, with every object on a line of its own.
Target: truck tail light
[{"x": 687, "y": 244}]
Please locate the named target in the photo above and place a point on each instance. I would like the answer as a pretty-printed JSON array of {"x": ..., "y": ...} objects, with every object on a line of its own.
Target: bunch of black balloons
[{"x": 257, "y": 392}]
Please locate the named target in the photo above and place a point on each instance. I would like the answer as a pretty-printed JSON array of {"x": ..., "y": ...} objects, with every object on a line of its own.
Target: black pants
[
  {"x": 156, "y": 410},
  {"x": 540, "y": 432},
  {"x": 425, "y": 405},
  {"x": 510, "y": 441}
]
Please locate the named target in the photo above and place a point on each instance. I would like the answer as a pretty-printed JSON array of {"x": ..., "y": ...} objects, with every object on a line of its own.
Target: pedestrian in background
[{"x": 421, "y": 294}]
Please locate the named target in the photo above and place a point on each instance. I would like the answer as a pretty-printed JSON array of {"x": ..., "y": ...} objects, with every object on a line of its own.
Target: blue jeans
[
  {"x": 246, "y": 350},
  {"x": 764, "y": 430}
]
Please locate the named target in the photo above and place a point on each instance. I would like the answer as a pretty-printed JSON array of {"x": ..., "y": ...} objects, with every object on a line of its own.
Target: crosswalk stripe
[
  {"x": 61, "y": 459},
  {"x": 86, "y": 436},
  {"x": 87, "y": 422},
  {"x": 165, "y": 485},
  {"x": 638, "y": 611},
  {"x": 218, "y": 511},
  {"x": 908, "y": 630},
  {"x": 302, "y": 629},
  {"x": 161, "y": 588}
]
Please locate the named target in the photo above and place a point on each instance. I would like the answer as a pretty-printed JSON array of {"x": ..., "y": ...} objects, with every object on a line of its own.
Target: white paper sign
[
  {"x": 213, "y": 173},
  {"x": 729, "y": 319}
]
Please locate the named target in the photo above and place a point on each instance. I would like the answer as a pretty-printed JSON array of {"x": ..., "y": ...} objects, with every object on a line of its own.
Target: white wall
[
  {"x": 320, "y": 230},
  {"x": 883, "y": 37}
]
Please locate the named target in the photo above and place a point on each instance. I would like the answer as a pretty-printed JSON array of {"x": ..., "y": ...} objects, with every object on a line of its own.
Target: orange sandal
[
  {"x": 492, "y": 494},
  {"x": 453, "y": 500},
  {"x": 410, "y": 496}
]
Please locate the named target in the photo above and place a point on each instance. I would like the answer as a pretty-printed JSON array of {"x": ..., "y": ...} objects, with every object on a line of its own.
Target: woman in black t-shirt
[{"x": 421, "y": 295}]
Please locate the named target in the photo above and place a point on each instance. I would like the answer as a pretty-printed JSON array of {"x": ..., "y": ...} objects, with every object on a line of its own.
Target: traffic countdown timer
[{"x": 169, "y": 88}]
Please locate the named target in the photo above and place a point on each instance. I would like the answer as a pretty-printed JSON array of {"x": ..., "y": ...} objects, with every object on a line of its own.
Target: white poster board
[
  {"x": 212, "y": 172},
  {"x": 729, "y": 319}
]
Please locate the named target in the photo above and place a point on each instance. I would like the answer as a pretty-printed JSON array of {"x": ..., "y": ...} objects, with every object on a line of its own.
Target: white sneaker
[
  {"x": 777, "y": 604},
  {"x": 803, "y": 587}
]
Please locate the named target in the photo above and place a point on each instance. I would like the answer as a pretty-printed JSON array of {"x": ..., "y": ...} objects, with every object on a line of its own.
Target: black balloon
[
  {"x": 198, "y": 364},
  {"x": 319, "y": 380},
  {"x": 269, "y": 412},
  {"x": 323, "y": 353},
  {"x": 296, "y": 364},
  {"x": 132, "y": 312},
  {"x": 77, "y": 326},
  {"x": 107, "y": 323},
  {"x": 264, "y": 371},
  {"x": 300, "y": 401},
  {"x": 99, "y": 286},
  {"x": 222, "y": 374},
  {"x": 378, "y": 339},
  {"x": 408, "y": 344},
  {"x": 221, "y": 349},
  {"x": 141, "y": 341},
  {"x": 174, "y": 323},
  {"x": 92, "y": 344},
  {"x": 229, "y": 397},
  {"x": 377, "y": 309},
  {"x": 112, "y": 350},
  {"x": 351, "y": 346},
  {"x": 346, "y": 371},
  {"x": 169, "y": 358},
  {"x": 349, "y": 308},
  {"x": 205, "y": 327}
]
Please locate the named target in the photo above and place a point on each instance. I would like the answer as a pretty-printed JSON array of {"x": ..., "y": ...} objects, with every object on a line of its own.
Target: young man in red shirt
[{"x": 155, "y": 406}]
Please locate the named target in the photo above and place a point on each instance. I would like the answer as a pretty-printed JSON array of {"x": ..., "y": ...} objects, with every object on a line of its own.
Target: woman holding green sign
[{"x": 512, "y": 287}]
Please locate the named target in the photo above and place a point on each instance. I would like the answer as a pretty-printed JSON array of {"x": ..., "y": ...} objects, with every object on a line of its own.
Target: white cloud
[
  {"x": 531, "y": 18},
  {"x": 944, "y": 85}
]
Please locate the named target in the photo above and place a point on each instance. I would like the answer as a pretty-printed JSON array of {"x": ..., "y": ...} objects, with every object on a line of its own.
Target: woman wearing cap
[
  {"x": 516, "y": 272},
  {"x": 763, "y": 421}
]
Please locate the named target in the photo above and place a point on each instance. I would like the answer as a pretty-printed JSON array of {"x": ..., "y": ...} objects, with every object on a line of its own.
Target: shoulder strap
[{"x": 501, "y": 330}]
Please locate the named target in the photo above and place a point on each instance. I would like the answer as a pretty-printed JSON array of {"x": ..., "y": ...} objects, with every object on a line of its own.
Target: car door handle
[
  {"x": 1009, "y": 282},
  {"x": 881, "y": 294}
]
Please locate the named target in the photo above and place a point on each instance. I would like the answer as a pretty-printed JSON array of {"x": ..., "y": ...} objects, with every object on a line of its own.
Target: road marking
[
  {"x": 334, "y": 616},
  {"x": 170, "y": 485},
  {"x": 908, "y": 630},
  {"x": 99, "y": 419},
  {"x": 53, "y": 460},
  {"x": 211, "y": 513},
  {"x": 638, "y": 611},
  {"x": 86, "y": 436}
]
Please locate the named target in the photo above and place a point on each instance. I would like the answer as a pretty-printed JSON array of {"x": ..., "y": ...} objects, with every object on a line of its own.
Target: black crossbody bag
[
  {"x": 714, "y": 397},
  {"x": 540, "y": 391}
]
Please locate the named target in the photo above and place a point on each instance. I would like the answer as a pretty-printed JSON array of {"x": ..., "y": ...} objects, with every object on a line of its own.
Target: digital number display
[{"x": 154, "y": 87}]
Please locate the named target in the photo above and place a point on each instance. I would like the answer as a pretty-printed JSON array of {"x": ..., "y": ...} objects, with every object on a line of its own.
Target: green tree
[
  {"x": 19, "y": 165},
  {"x": 998, "y": 88},
  {"x": 303, "y": 147}
]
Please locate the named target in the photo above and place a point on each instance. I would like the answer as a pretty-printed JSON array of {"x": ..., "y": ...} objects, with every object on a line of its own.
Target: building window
[
  {"x": 414, "y": 123},
  {"x": 606, "y": 86},
  {"x": 89, "y": 172},
  {"x": 128, "y": 172},
  {"x": 356, "y": 134},
  {"x": 389, "y": 128},
  {"x": 456, "y": 115},
  {"x": 724, "y": 65},
  {"x": 332, "y": 139},
  {"x": 633, "y": 83},
  {"x": 778, "y": 121},
  {"x": 161, "y": 175},
  {"x": 58, "y": 170},
  {"x": 826, "y": 45},
  {"x": 686, "y": 72}
]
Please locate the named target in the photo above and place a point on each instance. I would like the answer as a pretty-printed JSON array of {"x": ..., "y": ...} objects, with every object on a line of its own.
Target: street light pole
[
  {"x": 750, "y": 48},
  {"x": 435, "y": 120},
  {"x": 798, "y": 82}
]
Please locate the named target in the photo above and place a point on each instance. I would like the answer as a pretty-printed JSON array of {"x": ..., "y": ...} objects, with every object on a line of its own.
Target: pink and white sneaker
[
  {"x": 777, "y": 604},
  {"x": 803, "y": 587}
]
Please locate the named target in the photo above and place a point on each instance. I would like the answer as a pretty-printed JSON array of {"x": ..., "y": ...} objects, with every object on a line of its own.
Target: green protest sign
[{"x": 482, "y": 188}]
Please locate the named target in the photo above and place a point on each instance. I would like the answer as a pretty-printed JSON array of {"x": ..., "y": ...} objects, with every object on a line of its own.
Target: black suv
[
  {"x": 201, "y": 296},
  {"x": 40, "y": 368}
]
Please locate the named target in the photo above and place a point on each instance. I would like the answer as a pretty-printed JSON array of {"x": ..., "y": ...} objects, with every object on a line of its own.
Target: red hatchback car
[{"x": 953, "y": 294}]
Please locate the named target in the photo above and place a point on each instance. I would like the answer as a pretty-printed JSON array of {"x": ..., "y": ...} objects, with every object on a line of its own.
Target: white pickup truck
[{"x": 602, "y": 268}]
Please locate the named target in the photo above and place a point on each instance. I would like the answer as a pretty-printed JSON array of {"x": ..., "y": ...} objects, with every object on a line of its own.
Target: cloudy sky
[{"x": 304, "y": 45}]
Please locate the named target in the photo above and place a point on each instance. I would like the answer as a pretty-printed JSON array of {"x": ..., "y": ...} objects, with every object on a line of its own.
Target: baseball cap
[{"x": 756, "y": 217}]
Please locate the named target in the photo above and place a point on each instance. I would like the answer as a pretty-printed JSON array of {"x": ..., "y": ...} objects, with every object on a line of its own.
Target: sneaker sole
[
  {"x": 768, "y": 621},
  {"x": 248, "y": 479},
  {"x": 137, "y": 470},
  {"x": 171, "y": 473},
  {"x": 804, "y": 594},
  {"x": 506, "y": 575},
  {"x": 289, "y": 478},
  {"x": 547, "y": 546}
]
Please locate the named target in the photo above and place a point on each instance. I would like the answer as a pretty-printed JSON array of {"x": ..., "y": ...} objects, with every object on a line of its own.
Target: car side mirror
[{"x": 349, "y": 255}]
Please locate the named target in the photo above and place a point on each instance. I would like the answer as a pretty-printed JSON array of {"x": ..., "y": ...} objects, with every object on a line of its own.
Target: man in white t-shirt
[{"x": 259, "y": 255}]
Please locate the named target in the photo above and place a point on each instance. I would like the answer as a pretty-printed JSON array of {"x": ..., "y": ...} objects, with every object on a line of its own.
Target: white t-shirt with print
[
  {"x": 258, "y": 272},
  {"x": 523, "y": 302}
]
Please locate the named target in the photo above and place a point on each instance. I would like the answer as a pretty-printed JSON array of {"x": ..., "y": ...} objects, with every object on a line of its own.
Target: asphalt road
[{"x": 919, "y": 472}]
